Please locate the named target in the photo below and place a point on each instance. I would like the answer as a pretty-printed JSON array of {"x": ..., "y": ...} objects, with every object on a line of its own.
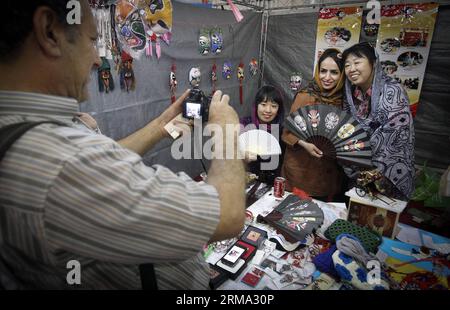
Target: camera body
[{"x": 196, "y": 105}]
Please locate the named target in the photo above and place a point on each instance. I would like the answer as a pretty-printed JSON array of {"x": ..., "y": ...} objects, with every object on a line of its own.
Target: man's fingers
[{"x": 180, "y": 99}]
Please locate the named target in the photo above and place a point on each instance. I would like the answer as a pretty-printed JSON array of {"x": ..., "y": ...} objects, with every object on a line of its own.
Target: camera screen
[{"x": 193, "y": 110}]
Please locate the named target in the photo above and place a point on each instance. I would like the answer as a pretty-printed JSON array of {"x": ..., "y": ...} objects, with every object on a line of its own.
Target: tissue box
[{"x": 379, "y": 214}]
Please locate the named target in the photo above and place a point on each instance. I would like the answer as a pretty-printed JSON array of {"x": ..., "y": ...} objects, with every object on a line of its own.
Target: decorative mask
[
  {"x": 295, "y": 82},
  {"x": 253, "y": 67},
  {"x": 227, "y": 70},
  {"x": 216, "y": 40},
  {"x": 105, "y": 80},
  {"x": 127, "y": 81},
  {"x": 194, "y": 77},
  {"x": 314, "y": 118}
]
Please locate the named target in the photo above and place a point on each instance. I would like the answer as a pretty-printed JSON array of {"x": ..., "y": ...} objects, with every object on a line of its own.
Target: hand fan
[
  {"x": 335, "y": 132},
  {"x": 295, "y": 218},
  {"x": 259, "y": 142}
]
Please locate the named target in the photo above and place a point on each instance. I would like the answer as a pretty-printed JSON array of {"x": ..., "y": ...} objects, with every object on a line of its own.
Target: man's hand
[
  {"x": 170, "y": 113},
  {"x": 220, "y": 112},
  {"x": 311, "y": 149}
]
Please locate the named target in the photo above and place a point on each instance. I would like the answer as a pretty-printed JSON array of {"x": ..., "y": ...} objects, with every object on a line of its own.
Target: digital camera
[{"x": 196, "y": 105}]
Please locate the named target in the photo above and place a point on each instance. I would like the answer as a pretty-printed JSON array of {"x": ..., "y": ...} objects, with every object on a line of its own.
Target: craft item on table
[
  {"x": 204, "y": 42},
  {"x": 258, "y": 257},
  {"x": 321, "y": 283},
  {"x": 335, "y": 132},
  {"x": 240, "y": 76},
  {"x": 213, "y": 78},
  {"x": 269, "y": 263},
  {"x": 223, "y": 245},
  {"x": 294, "y": 218},
  {"x": 250, "y": 250},
  {"x": 351, "y": 246},
  {"x": 173, "y": 83},
  {"x": 194, "y": 77},
  {"x": 295, "y": 82},
  {"x": 277, "y": 253},
  {"x": 227, "y": 70},
  {"x": 216, "y": 40},
  {"x": 237, "y": 14},
  {"x": 217, "y": 277},
  {"x": 254, "y": 236},
  {"x": 105, "y": 79},
  {"x": 259, "y": 142},
  {"x": 331, "y": 212},
  {"x": 422, "y": 280},
  {"x": 253, "y": 67},
  {"x": 253, "y": 277},
  {"x": 369, "y": 239},
  {"x": 351, "y": 271},
  {"x": 324, "y": 262},
  {"x": 234, "y": 271},
  {"x": 127, "y": 80}
]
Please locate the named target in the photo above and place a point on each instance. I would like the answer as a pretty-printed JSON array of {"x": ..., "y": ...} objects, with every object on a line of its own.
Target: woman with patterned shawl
[
  {"x": 380, "y": 104},
  {"x": 303, "y": 166}
]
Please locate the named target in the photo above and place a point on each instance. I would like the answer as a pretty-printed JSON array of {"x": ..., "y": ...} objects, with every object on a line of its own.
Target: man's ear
[{"x": 48, "y": 30}]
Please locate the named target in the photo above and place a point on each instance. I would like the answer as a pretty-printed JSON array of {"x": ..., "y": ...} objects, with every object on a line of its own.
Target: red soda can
[{"x": 278, "y": 187}]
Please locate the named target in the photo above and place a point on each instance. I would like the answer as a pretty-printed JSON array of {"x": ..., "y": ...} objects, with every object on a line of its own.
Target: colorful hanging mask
[
  {"x": 105, "y": 80},
  {"x": 227, "y": 70},
  {"x": 216, "y": 40},
  {"x": 127, "y": 81},
  {"x": 158, "y": 15},
  {"x": 204, "y": 42},
  {"x": 130, "y": 29},
  {"x": 253, "y": 67},
  {"x": 240, "y": 76},
  {"x": 173, "y": 83},
  {"x": 295, "y": 82},
  {"x": 194, "y": 77}
]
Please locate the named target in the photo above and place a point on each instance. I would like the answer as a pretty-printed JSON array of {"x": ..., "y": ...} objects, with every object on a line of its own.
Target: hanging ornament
[
  {"x": 295, "y": 81},
  {"x": 194, "y": 77},
  {"x": 227, "y": 70},
  {"x": 253, "y": 67},
  {"x": 216, "y": 40},
  {"x": 204, "y": 42},
  {"x": 130, "y": 28},
  {"x": 115, "y": 47},
  {"x": 105, "y": 80},
  {"x": 240, "y": 76},
  {"x": 237, "y": 14},
  {"x": 127, "y": 81},
  {"x": 158, "y": 15},
  {"x": 173, "y": 83},
  {"x": 214, "y": 77}
]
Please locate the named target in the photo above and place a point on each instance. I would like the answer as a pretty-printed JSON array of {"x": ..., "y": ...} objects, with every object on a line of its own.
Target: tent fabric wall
[
  {"x": 119, "y": 113},
  {"x": 291, "y": 41}
]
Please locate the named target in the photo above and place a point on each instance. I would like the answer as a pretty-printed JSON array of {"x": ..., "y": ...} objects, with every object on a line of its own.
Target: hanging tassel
[
  {"x": 235, "y": 10},
  {"x": 214, "y": 78},
  {"x": 173, "y": 82},
  {"x": 148, "y": 47},
  {"x": 240, "y": 75},
  {"x": 158, "y": 49}
]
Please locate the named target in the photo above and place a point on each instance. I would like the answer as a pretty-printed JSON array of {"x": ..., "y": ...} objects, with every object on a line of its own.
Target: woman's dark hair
[
  {"x": 17, "y": 21},
  {"x": 269, "y": 93},
  {"x": 363, "y": 49}
]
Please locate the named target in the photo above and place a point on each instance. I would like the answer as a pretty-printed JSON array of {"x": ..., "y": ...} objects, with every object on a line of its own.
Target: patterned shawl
[{"x": 390, "y": 126}]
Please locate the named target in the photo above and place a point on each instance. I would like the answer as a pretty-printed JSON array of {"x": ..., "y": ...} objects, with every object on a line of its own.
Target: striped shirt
[{"x": 69, "y": 194}]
